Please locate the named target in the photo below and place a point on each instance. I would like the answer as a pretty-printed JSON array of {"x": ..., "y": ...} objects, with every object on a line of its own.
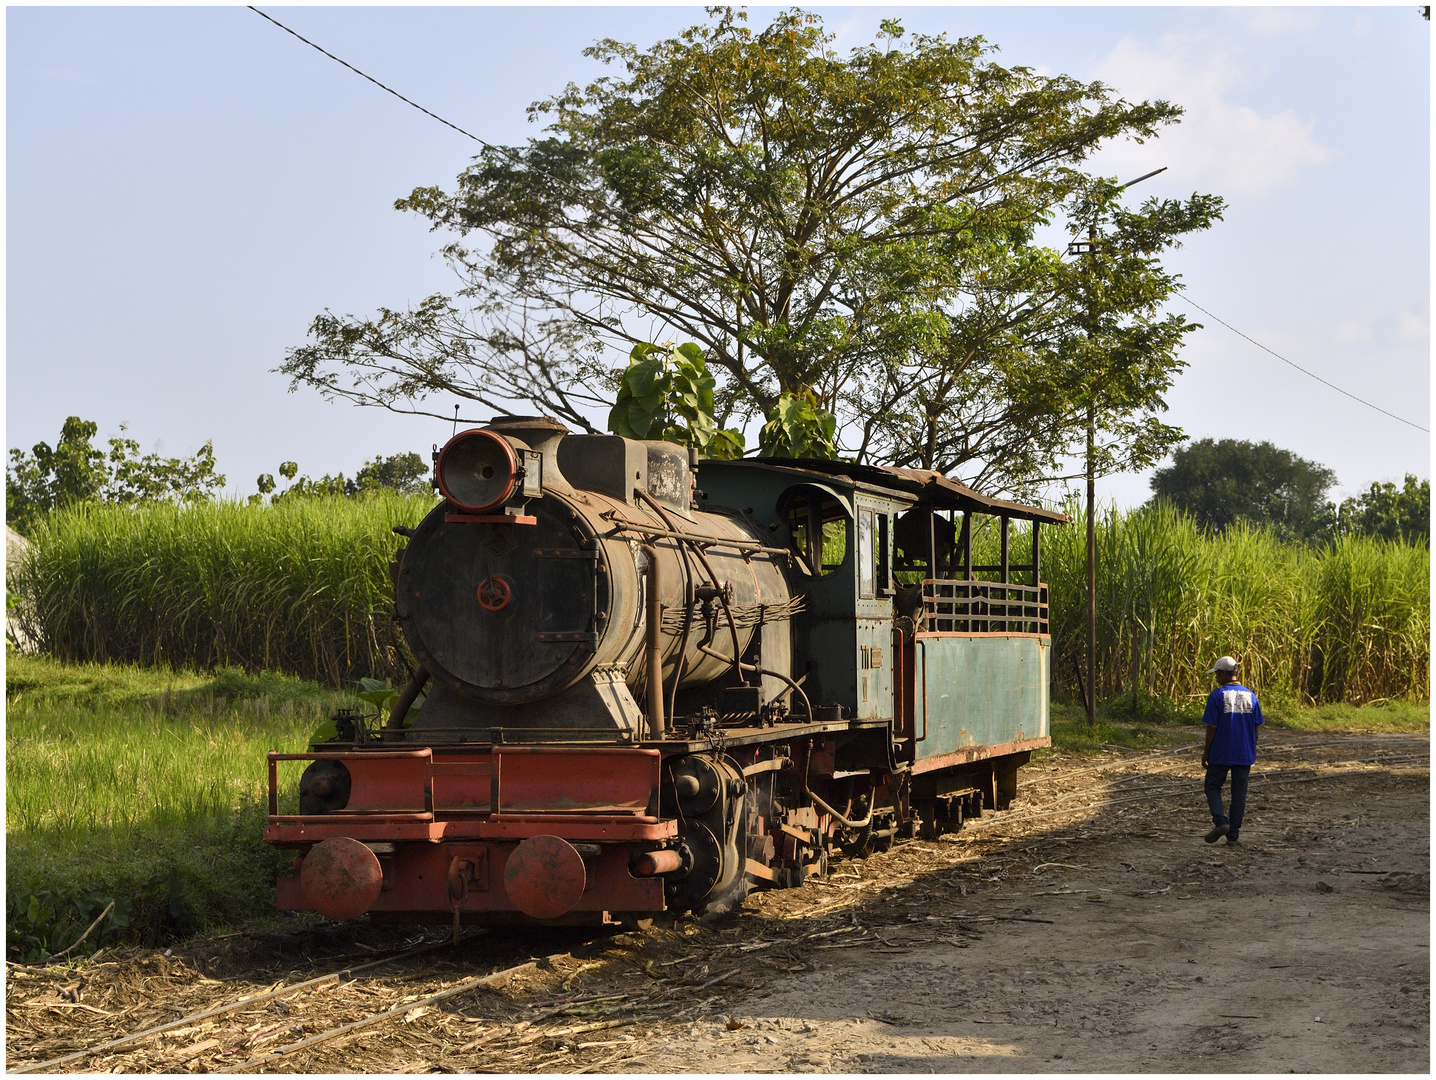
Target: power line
[
  {"x": 1299, "y": 368},
  {"x": 371, "y": 78},
  {"x": 501, "y": 150}
]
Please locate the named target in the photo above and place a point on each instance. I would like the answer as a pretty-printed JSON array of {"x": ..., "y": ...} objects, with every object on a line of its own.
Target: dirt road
[{"x": 1087, "y": 930}]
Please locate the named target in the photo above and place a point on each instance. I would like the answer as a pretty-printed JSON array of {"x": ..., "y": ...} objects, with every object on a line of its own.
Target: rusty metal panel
[
  {"x": 968, "y": 755},
  {"x": 393, "y": 782},
  {"x": 589, "y": 793},
  {"x": 394, "y": 785},
  {"x": 566, "y": 781},
  {"x": 462, "y": 785},
  {"x": 980, "y": 690},
  {"x": 294, "y": 831}
]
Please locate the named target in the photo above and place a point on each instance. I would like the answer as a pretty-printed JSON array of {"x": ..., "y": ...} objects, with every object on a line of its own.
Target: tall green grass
[
  {"x": 143, "y": 786},
  {"x": 301, "y": 586},
  {"x": 1349, "y": 623}
]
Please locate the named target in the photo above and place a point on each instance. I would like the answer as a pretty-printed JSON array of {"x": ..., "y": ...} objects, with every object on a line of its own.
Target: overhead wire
[
  {"x": 1299, "y": 368},
  {"x": 376, "y": 82},
  {"x": 517, "y": 159},
  {"x": 503, "y": 151}
]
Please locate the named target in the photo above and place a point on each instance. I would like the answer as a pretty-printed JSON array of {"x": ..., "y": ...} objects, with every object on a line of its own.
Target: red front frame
[{"x": 476, "y": 806}]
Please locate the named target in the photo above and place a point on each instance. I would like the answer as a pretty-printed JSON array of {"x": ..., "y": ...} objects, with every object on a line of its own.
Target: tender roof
[{"x": 943, "y": 492}]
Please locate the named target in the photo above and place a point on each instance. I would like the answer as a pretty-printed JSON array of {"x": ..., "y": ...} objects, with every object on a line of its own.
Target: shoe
[
  {"x": 1218, "y": 831},
  {"x": 1232, "y": 839}
]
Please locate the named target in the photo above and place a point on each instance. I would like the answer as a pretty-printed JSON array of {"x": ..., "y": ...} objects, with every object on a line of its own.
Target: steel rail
[
  {"x": 388, "y": 1014},
  {"x": 38, "y": 1066}
]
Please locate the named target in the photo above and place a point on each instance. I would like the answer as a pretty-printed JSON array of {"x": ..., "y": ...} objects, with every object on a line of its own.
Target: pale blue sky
[{"x": 188, "y": 187}]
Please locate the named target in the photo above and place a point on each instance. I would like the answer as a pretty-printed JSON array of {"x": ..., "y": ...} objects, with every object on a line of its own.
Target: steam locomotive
[{"x": 649, "y": 684}]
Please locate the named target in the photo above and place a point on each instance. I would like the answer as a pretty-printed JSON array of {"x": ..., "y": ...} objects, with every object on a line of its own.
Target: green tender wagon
[{"x": 900, "y": 623}]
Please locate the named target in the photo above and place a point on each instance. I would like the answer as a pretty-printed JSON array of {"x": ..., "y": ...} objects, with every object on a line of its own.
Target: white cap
[{"x": 1226, "y": 663}]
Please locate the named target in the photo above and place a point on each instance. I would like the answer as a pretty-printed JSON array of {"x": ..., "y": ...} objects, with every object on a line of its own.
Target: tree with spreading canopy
[
  {"x": 405, "y": 474},
  {"x": 1223, "y": 481},
  {"x": 851, "y": 241}
]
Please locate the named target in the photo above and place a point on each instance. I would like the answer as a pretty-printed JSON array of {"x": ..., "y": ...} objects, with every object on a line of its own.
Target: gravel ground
[{"x": 1089, "y": 929}]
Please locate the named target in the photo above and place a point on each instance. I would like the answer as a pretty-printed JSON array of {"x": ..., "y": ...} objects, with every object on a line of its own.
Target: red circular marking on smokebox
[{"x": 494, "y": 593}]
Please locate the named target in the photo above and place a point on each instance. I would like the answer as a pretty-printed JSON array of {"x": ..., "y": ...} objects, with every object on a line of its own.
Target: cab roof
[{"x": 935, "y": 489}]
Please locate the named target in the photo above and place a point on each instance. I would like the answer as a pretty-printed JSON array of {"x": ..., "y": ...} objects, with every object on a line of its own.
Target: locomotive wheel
[
  {"x": 731, "y": 897},
  {"x": 707, "y": 854}
]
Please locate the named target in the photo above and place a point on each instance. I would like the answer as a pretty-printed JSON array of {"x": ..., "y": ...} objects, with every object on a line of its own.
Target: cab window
[
  {"x": 867, "y": 569},
  {"x": 817, "y": 531}
]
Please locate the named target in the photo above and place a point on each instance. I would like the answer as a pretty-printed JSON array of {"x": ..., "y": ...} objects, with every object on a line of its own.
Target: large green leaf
[
  {"x": 666, "y": 393},
  {"x": 799, "y": 427}
]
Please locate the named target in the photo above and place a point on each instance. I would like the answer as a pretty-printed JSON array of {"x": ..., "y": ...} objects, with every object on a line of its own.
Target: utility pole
[
  {"x": 1091, "y": 251},
  {"x": 1091, "y": 511}
]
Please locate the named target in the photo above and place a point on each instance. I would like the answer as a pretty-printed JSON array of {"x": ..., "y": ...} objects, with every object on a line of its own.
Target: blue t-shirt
[{"x": 1233, "y": 710}]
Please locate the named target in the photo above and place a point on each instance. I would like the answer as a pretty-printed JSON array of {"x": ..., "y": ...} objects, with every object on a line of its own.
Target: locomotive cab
[{"x": 902, "y": 625}]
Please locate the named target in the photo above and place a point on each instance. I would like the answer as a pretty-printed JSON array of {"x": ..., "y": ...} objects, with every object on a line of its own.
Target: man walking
[{"x": 1232, "y": 717}]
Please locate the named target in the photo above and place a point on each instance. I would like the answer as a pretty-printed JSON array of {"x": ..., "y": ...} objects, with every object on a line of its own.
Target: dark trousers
[{"x": 1216, "y": 777}]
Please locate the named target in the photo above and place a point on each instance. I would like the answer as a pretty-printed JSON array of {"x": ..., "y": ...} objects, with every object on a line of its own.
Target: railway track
[
  {"x": 292, "y": 991},
  {"x": 231, "y": 1058},
  {"x": 464, "y": 987},
  {"x": 617, "y": 1010}
]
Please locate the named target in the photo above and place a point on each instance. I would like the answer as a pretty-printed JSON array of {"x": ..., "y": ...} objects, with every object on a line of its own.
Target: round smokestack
[{"x": 541, "y": 433}]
